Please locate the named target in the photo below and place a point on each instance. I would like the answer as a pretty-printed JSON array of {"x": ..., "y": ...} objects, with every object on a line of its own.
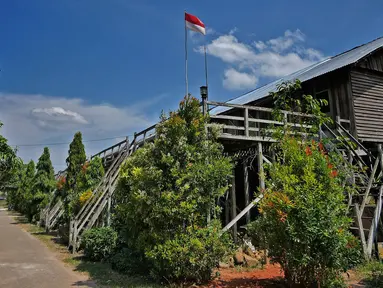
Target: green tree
[
  {"x": 15, "y": 196},
  {"x": 45, "y": 179},
  {"x": 43, "y": 185},
  {"x": 26, "y": 190},
  {"x": 166, "y": 191},
  {"x": 8, "y": 162},
  {"x": 303, "y": 221},
  {"x": 75, "y": 162}
]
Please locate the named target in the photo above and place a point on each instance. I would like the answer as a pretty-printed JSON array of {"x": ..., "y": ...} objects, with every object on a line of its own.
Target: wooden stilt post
[
  {"x": 234, "y": 206},
  {"x": 227, "y": 208},
  {"x": 246, "y": 188},
  {"x": 246, "y": 122},
  {"x": 374, "y": 226},
  {"x": 260, "y": 167},
  {"x": 361, "y": 231}
]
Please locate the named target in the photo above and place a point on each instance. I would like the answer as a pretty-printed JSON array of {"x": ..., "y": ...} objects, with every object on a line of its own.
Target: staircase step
[{"x": 356, "y": 228}]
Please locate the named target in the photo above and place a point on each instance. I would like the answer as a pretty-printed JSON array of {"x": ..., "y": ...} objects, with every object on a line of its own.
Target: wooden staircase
[
  {"x": 365, "y": 205},
  {"x": 97, "y": 210},
  {"x": 53, "y": 215}
]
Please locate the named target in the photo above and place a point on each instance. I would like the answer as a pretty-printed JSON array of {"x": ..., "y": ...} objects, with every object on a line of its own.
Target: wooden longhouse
[{"x": 352, "y": 82}]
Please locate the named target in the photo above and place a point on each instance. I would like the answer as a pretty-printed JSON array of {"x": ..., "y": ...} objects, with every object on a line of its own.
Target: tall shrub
[
  {"x": 43, "y": 184},
  {"x": 45, "y": 179},
  {"x": 26, "y": 190},
  {"x": 75, "y": 161},
  {"x": 8, "y": 163},
  {"x": 303, "y": 220},
  {"x": 166, "y": 191}
]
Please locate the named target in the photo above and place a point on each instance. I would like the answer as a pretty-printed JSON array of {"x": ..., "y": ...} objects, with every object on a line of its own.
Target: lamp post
[{"x": 203, "y": 92}]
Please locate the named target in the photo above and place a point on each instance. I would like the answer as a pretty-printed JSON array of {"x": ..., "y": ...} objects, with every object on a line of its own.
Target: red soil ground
[{"x": 267, "y": 277}]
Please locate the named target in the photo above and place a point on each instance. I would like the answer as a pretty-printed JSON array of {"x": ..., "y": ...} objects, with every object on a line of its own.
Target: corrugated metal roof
[{"x": 325, "y": 66}]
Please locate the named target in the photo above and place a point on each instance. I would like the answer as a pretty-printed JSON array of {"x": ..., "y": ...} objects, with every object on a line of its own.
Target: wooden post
[
  {"x": 260, "y": 167},
  {"x": 361, "y": 230},
  {"x": 234, "y": 206},
  {"x": 246, "y": 188},
  {"x": 74, "y": 239},
  {"x": 375, "y": 222},
  {"x": 246, "y": 122},
  {"x": 108, "y": 215},
  {"x": 47, "y": 221},
  {"x": 366, "y": 197},
  {"x": 227, "y": 208}
]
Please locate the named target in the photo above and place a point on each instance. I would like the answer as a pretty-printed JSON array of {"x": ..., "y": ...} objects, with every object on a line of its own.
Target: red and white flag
[{"x": 195, "y": 24}]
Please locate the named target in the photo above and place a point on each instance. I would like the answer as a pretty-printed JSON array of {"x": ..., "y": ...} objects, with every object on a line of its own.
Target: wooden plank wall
[
  {"x": 373, "y": 62},
  {"x": 367, "y": 90}
]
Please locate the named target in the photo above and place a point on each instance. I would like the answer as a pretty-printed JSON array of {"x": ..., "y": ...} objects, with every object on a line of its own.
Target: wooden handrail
[{"x": 257, "y": 108}]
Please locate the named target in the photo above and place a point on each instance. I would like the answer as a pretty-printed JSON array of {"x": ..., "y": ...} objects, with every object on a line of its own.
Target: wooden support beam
[
  {"x": 233, "y": 206},
  {"x": 109, "y": 207},
  {"x": 265, "y": 159},
  {"x": 260, "y": 167},
  {"x": 246, "y": 188},
  {"x": 75, "y": 236},
  {"x": 366, "y": 196},
  {"x": 375, "y": 222},
  {"x": 359, "y": 223},
  {"x": 227, "y": 208},
  {"x": 246, "y": 122},
  {"x": 241, "y": 214}
]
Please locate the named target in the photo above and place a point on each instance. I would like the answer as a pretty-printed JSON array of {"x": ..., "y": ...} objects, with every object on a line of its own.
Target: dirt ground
[{"x": 267, "y": 277}]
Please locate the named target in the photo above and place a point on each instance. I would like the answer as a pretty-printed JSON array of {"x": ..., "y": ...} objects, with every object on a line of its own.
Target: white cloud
[
  {"x": 34, "y": 119},
  {"x": 229, "y": 50},
  {"x": 59, "y": 114},
  {"x": 235, "y": 80},
  {"x": 260, "y": 45},
  {"x": 276, "y": 57}
]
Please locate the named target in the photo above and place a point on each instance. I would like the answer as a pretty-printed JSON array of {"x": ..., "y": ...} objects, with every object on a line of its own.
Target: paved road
[{"x": 26, "y": 263}]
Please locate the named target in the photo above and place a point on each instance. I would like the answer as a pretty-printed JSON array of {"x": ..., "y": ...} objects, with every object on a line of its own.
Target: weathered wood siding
[
  {"x": 367, "y": 90},
  {"x": 373, "y": 62}
]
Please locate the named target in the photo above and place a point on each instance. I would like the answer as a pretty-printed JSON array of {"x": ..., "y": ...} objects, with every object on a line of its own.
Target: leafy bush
[
  {"x": 84, "y": 197},
  {"x": 169, "y": 188},
  {"x": 99, "y": 243},
  {"x": 128, "y": 262},
  {"x": 303, "y": 221},
  {"x": 191, "y": 255}
]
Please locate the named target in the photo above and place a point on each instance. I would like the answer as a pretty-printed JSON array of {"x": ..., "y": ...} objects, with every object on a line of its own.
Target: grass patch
[
  {"x": 371, "y": 274},
  {"x": 3, "y": 203},
  {"x": 103, "y": 274},
  {"x": 100, "y": 272}
]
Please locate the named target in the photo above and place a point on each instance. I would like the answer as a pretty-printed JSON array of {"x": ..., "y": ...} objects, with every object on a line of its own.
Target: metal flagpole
[
  {"x": 186, "y": 58},
  {"x": 206, "y": 68}
]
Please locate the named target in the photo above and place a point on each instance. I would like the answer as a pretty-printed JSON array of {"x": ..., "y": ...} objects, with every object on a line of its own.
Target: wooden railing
[
  {"x": 252, "y": 122},
  {"x": 108, "y": 154}
]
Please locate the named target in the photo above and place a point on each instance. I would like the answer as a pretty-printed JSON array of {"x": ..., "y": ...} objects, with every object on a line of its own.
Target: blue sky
[{"x": 108, "y": 68}]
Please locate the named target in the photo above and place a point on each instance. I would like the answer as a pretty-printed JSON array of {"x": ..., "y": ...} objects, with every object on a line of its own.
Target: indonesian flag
[{"x": 193, "y": 23}]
